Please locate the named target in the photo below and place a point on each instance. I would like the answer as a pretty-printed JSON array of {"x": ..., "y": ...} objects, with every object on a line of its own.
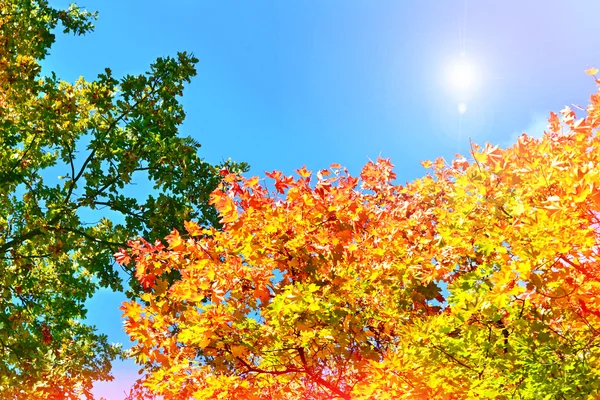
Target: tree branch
[
  {"x": 320, "y": 380},
  {"x": 450, "y": 356}
]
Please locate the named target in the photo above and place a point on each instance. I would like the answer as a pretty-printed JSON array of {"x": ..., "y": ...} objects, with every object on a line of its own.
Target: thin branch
[
  {"x": 110, "y": 127},
  {"x": 249, "y": 368},
  {"x": 450, "y": 356},
  {"x": 70, "y": 192},
  {"x": 120, "y": 209},
  {"x": 320, "y": 380},
  {"x": 25, "y": 151},
  {"x": 87, "y": 236}
]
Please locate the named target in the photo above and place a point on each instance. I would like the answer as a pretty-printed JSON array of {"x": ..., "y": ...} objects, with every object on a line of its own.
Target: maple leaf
[
  {"x": 493, "y": 153},
  {"x": 554, "y": 123},
  {"x": 131, "y": 309},
  {"x": 359, "y": 279},
  {"x": 175, "y": 241},
  {"x": 427, "y": 164},
  {"x": 460, "y": 163},
  {"x": 303, "y": 172},
  {"x": 46, "y": 334},
  {"x": 192, "y": 228},
  {"x": 250, "y": 183},
  {"x": 224, "y": 205},
  {"x": 122, "y": 257}
]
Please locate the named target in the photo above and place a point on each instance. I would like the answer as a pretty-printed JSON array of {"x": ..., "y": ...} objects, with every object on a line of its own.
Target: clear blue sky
[{"x": 283, "y": 84}]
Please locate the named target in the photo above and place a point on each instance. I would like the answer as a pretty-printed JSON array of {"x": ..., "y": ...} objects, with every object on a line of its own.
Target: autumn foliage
[{"x": 480, "y": 280}]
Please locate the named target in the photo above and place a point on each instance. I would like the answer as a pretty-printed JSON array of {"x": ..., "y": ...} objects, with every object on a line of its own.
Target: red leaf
[
  {"x": 584, "y": 310},
  {"x": 122, "y": 257},
  {"x": 46, "y": 335}
]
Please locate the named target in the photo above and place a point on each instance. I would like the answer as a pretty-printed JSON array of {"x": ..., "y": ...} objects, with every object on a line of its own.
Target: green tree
[{"x": 69, "y": 152}]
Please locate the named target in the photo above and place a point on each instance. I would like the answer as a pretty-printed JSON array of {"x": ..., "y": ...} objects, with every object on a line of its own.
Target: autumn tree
[
  {"x": 69, "y": 155},
  {"x": 479, "y": 280}
]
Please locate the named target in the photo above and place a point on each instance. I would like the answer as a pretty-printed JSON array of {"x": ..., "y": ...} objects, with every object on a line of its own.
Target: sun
[{"x": 462, "y": 75}]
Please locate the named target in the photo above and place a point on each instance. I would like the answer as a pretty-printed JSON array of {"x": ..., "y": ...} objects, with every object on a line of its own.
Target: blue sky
[{"x": 283, "y": 84}]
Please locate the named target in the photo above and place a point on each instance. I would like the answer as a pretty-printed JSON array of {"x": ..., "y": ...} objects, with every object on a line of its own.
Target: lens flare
[{"x": 462, "y": 75}]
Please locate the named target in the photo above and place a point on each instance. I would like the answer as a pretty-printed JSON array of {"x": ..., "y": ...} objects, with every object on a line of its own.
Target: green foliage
[{"x": 70, "y": 157}]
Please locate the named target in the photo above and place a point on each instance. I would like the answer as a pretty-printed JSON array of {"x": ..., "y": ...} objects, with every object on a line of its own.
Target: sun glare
[{"x": 462, "y": 75}]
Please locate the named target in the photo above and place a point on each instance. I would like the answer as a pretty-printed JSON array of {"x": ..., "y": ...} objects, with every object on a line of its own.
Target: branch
[
  {"x": 26, "y": 257},
  {"x": 110, "y": 127},
  {"x": 320, "y": 380},
  {"x": 20, "y": 239},
  {"x": 87, "y": 236},
  {"x": 450, "y": 356},
  {"x": 70, "y": 192},
  {"x": 264, "y": 371},
  {"x": 111, "y": 182},
  {"x": 120, "y": 209},
  {"x": 20, "y": 160}
]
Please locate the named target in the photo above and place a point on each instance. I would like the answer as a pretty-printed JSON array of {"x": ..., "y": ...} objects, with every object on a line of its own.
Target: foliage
[
  {"x": 480, "y": 280},
  {"x": 101, "y": 137}
]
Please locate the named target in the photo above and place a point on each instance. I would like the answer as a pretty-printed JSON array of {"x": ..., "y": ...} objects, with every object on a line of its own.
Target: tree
[
  {"x": 57, "y": 236},
  {"x": 479, "y": 280}
]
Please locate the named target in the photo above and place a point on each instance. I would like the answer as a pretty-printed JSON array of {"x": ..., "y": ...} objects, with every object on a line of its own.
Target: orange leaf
[
  {"x": 251, "y": 182},
  {"x": 427, "y": 164},
  {"x": 175, "y": 241},
  {"x": 303, "y": 172},
  {"x": 192, "y": 228}
]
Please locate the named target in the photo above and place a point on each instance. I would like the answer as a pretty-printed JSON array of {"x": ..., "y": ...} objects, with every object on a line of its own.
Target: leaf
[
  {"x": 192, "y": 228},
  {"x": 175, "y": 241},
  {"x": 303, "y": 172},
  {"x": 225, "y": 206},
  {"x": 238, "y": 351},
  {"x": 518, "y": 209},
  {"x": 122, "y": 257},
  {"x": 432, "y": 289},
  {"x": 427, "y": 164},
  {"x": 250, "y": 183}
]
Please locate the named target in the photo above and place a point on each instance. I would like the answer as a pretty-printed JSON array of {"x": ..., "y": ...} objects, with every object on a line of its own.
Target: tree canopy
[
  {"x": 479, "y": 280},
  {"x": 69, "y": 155}
]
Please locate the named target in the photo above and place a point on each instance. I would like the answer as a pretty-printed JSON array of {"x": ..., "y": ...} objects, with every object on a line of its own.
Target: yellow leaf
[
  {"x": 480, "y": 157},
  {"x": 518, "y": 209},
  {"x": 210, "y": 273},
  {"x": 252, "y": 182}
]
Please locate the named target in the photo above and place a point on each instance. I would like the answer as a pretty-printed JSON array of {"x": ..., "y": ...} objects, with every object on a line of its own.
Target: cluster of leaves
[
  {"x": 480, "y": 280},
  {"x": 98, "y": 137}
]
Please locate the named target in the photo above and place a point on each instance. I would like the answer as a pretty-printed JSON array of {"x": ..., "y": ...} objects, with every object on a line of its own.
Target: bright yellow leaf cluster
[{"x": 480, "y": 280}]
